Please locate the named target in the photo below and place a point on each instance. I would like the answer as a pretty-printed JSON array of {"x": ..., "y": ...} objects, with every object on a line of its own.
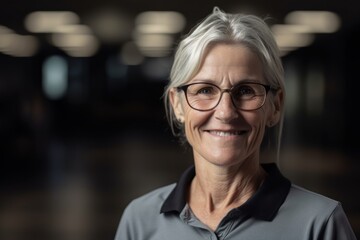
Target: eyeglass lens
[{"x": 205, "y": 96}]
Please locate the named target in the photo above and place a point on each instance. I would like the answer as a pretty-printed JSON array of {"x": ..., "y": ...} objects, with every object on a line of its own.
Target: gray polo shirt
[{"x": 279, "y": 210}]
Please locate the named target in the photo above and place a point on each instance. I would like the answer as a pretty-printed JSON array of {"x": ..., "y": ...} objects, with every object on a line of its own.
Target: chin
[{"x": 225, "y": 161}]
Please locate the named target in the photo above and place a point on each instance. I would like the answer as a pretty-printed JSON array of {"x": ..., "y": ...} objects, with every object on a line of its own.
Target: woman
[{"x": 226, "y": 91}]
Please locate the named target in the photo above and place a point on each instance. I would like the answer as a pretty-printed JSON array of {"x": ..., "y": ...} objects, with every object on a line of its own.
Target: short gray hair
[{"x": 246, "y": 29}]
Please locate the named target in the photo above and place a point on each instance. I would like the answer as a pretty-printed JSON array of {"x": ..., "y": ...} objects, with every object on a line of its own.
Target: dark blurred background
[{"x": 82, "y": 124}]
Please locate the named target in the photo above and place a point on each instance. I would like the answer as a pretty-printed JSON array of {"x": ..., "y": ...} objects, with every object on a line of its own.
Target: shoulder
[
  {"x": 304, "y": 194},
  {"x": 151, "y": 201},
  {"x": 316, "y": 215},
  {"x": 310, "y": 203},
  {"x": 137, "y": 221}
]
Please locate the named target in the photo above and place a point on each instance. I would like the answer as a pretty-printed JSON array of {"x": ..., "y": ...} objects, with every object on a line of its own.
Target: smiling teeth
[{"x": 226, "y": 134}]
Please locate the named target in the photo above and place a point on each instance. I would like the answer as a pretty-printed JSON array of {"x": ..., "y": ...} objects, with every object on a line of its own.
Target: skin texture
[{"x": 227, "y": 167}]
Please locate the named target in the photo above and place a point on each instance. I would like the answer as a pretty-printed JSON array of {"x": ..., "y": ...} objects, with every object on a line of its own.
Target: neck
[{"x": 221, "y": 189}]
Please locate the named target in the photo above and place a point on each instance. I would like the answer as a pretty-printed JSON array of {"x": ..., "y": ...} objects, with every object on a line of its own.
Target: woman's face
[{"x": 226, "y": 136}]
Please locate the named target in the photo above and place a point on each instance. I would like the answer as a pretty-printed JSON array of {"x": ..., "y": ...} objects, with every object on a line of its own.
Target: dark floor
[{"x": 83, "y": 195}]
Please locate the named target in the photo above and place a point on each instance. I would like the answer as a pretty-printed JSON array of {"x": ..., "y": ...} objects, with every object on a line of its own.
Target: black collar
[{"x": 264, "y": 204}]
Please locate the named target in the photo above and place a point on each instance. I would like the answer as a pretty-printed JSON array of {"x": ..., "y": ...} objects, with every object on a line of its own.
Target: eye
[
  {"x": 201, "y": 89},
  {"x": 208, "y": 90},
  {"x": 242, "y": 91}
]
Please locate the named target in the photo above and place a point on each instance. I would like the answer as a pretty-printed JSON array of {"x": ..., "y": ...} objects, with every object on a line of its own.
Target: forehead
[
  {"x": 232, "y": 61},
  {"x": 229, "y": 54}
]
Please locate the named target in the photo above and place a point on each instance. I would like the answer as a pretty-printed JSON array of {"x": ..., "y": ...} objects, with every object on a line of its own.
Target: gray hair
[{"x": 246, "y": 29}]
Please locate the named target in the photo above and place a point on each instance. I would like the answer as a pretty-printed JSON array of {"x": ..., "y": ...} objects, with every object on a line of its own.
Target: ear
[
  {"x": 276, "y": 108},
  {"x": 175, "y": 100}
]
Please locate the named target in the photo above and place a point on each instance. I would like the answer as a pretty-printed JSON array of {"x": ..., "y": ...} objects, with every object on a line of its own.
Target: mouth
[{"x": 226, "y": 133}]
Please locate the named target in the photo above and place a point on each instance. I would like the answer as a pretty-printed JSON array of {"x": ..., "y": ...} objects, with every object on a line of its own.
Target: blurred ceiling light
[
  {"x": 18, "y": 45},
  {"x": 130, "y": 54},
  {"x": 6, "y": 40},
  {"x": 77, "y": 45},
  {"x": 110, "y": 25},
  {"x": 318, "y": 21},
  {"x": 5, "y": 30},
  {"x": 285, "y": 50},
  {"x": 154, "y": 45},
  {"x": 292, "y": 40},
  {"x": 166, "y": 22},
  {"x": 73, "y": 28},
  {"x": 154, "y": 40},
  {"x": 81, "y": 52},
  {"x": 55, "y": 77},
  {"x": 279, "y": 29},
  {"x": 291, "y": 36},
  {"x": 47, "y": 21}
]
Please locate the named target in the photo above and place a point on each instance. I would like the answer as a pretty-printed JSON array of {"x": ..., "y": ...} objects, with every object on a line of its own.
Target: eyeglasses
[{"x": 206, "y": 96}]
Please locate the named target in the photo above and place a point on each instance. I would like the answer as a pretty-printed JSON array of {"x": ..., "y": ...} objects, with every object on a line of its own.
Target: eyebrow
[{"x": 244, "y": 81}]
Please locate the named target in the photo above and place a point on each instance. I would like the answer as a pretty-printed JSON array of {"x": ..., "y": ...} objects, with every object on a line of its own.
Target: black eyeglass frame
[{"x": 229, "y": 90}]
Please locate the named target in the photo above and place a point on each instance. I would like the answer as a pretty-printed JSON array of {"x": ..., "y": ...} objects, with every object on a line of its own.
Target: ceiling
[{"x": 12, "y": 14}]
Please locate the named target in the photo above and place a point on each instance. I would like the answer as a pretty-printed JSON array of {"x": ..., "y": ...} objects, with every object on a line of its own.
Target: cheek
[
  {"x": 193, "y": 121},
  {"x": 261, "y": 127},
  {"x": 257, "y": 121}
]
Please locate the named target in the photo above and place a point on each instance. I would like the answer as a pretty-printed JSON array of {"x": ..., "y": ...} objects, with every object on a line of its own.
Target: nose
[{"x": 226, "y": 111}]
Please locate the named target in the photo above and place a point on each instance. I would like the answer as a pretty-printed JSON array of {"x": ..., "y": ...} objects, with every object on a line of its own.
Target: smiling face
[{"x": 226, "y": 136}]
